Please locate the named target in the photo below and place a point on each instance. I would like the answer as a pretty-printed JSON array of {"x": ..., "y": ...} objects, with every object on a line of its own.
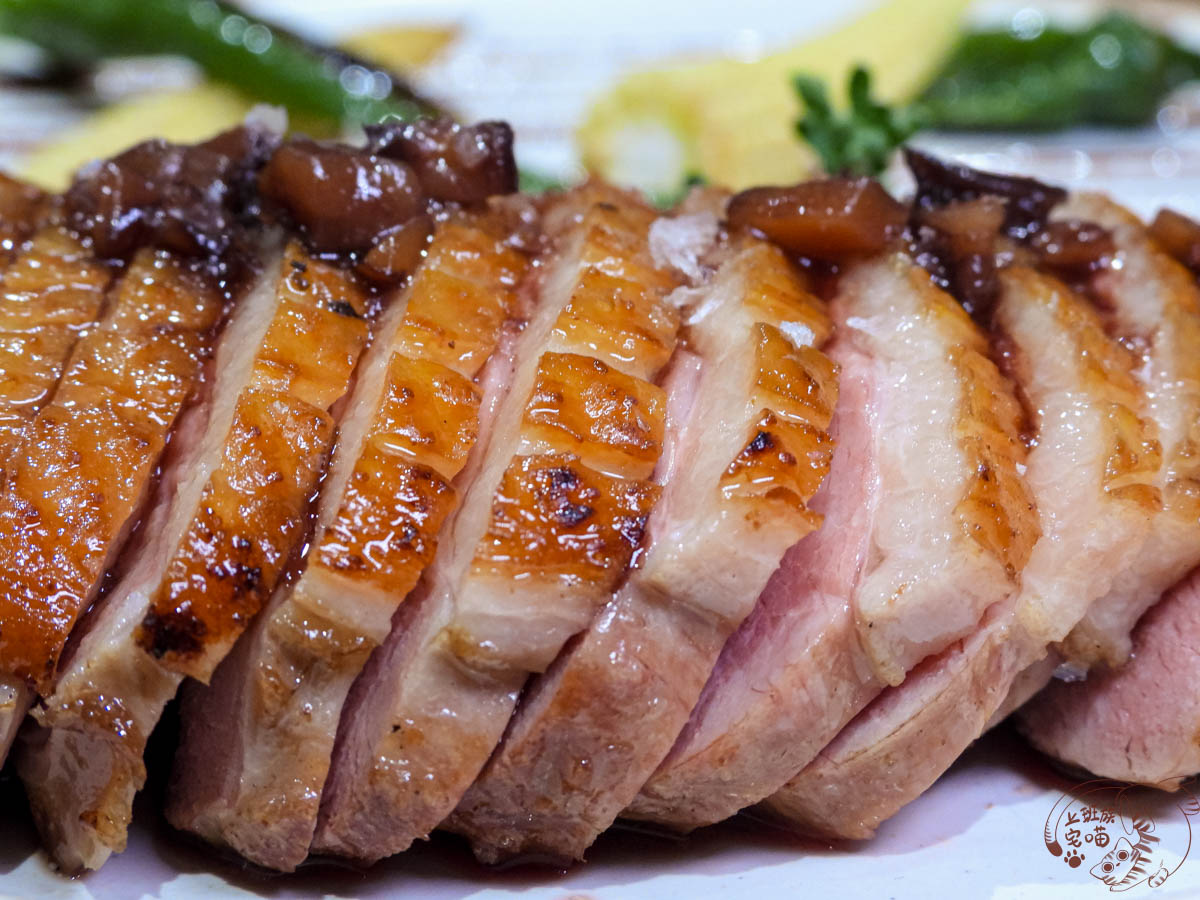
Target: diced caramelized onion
[
  {"x": 189, "y": 199},
  {"x": 375, "y": 200},
  {"x": 340, "y": 197},
  {"x": 1074, "y": 246},
  {"x": 956, "y": 244},
  {"x": 965, "y": 223},
  {"x": 1027, "y": 202},
  {"x": 398, "y": 252},
  {"x": 455, "y": 163},
  {"x": 1179, "y": 235},
  {"x": 827, "y": 219}
]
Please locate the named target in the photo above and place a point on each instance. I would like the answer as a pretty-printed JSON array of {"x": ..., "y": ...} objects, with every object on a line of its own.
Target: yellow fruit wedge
[
  {"x": 401, "y": 48},
  {"x": 734, "y": 122},
  {"x": 200, "y": 112},
  {"x": 183, "y": 115}
]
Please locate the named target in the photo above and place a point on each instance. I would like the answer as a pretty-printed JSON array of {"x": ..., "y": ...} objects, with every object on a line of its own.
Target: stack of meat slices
[
  {"x": 78, "y": 474},
  {"x": 53, "y": 291},
  {"x": 1136, "y": 719},
  {"x": 927, "y": 525},
  {"x": 545, "y": 531},
  {"x": 258, "y": 740},
  {"x": 513, "y": 516},
  {"x": 158, "y": 490},
  {"x": 230, "y": 510},
  {"x": 746, "y": 447}
]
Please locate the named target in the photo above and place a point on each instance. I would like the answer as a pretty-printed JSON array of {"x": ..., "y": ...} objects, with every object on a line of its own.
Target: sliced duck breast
[
  {"x": 1104, "y": 724},
  {"x": 547, "y": 527},
  {"x": 81, "y": 468},
  {"x": 927, "y": 525},
  {"x": 230, "y": 509},
  {"x": 1137, "y": 723},
  {"x": 257, "y": 741},
  {"x": 1152, "y": 303},
  {"x": 1092, "y": 470},
  {"x": 747, "y": 446}
]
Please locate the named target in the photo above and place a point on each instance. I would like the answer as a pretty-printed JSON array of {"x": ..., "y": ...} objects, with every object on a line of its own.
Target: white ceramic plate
[{"x": 979, "y": 831}]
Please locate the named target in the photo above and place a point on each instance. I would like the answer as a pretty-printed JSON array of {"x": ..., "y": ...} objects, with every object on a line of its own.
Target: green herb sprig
[{"x": 862, "y": 141}]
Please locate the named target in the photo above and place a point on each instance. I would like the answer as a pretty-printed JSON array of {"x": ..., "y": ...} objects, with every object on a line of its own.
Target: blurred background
[{"x": 650, "y": 94}]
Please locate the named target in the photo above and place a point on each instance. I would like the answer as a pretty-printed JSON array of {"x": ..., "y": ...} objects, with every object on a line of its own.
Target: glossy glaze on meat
[
  {"x": 50, "y": 294},
  {"x": 746, "y": 448},
  {"x": 86, "y": 460},
  {"x": 514, "y": 515},
  {"x": 410, "y": 426},
  {"x": 78, "y": 471},
  {"x": 1092, "y": 472},
  {"x": 433, "y": 701},
  {"x": 230, "y": 510},
  {"x": 927, "y": 524}
]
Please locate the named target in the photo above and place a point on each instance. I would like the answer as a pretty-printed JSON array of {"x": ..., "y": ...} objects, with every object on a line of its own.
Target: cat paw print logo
[{"x": 1113, "y": 832}]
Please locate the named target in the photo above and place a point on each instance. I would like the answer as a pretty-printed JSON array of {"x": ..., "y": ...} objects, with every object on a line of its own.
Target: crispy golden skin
[
  {"x": 426, "y": 419},
  {"x": 998, "y": 511},
  {"x": 611, "y": 421},
  {"x": 386, "y": 530},
  {"x": 410, "y": 426},
  {"x": 23, "y": 208},
  {"x": 614, "y": 244},
  {"x": 553, "y": 517},
  {"x": 253, "y": 511},
  {"x": 622, "y": 322},
  {"x": 315, "y": 335},
  {"x": 473, "y": 249},
  {"x": 85, "y": 461},
  {"x": 795, "y": 384},
  {"x": 398, "y": 494},
  {"x": 571, "y": 505},
  {"x": 427, "y": 413},
  {"x": 250, "y": 516},
  {"x": 789, "y": 451},
  {"x": 463, "y": 342},
  {"x": 49, "y": 294},
  {"x": 591, "y": 730}
]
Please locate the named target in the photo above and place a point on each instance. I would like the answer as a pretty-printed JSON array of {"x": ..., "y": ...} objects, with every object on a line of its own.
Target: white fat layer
[
  {"x": 679, "y": 242},
  {"x": 798, "y": 333}
]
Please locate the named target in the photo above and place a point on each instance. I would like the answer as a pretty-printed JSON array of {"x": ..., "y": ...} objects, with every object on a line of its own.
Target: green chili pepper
[
  {"x": 263, "y": 60},
  {"x": 1114, "y": 73}
]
